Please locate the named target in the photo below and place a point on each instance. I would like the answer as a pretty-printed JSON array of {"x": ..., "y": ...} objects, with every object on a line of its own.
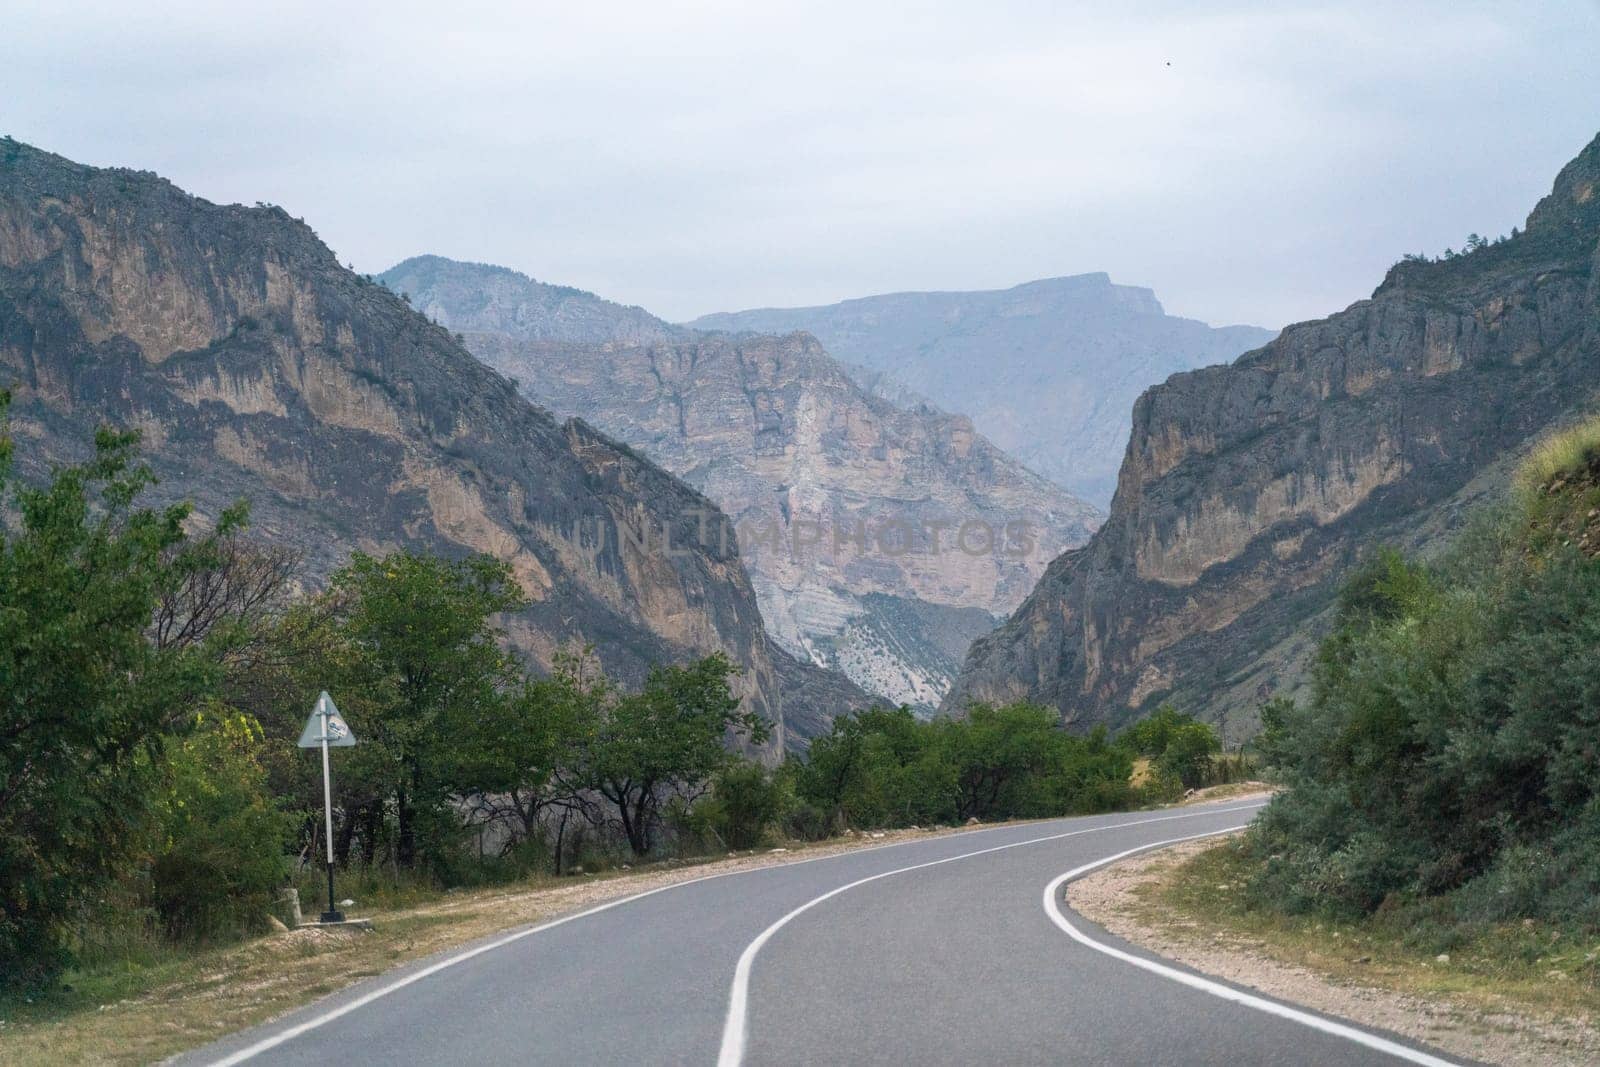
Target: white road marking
[
  {"x": 735, "y": 1027},
  {"x": 1052, "y": 907},
  {"x": 277, "y": 1038}
]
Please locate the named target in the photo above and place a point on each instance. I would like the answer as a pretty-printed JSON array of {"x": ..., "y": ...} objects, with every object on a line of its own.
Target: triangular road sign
[{"x": 326, "y": 717}]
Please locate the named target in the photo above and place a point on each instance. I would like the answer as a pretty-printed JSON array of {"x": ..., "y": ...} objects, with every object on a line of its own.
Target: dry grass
[{"x": 1141, "y": 772}]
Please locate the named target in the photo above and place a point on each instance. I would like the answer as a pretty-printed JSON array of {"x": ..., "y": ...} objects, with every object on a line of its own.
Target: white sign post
[{"x": 327, "y": 729}]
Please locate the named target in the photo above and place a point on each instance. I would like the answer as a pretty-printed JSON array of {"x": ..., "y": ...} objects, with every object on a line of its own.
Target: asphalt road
[{"x": 950, "y": 950}]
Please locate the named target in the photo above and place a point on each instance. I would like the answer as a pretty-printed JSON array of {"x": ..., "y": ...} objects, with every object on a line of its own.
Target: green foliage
[
  {"x": 878, "y": 768},
  {"x": 219, "y": 858},
  {"x": 1181, "y": 749},
  {"x": 408, "y": 644},
  {"x": 667, "y": 737},
  {"x": 84, "y": 696},
  {"x": 746, "y": 801},
  {"x": 1447, "y": 752},
  {"x": 884, "y": 767}
]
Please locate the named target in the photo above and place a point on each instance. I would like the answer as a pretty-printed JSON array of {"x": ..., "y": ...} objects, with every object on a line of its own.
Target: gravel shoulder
[{"x": 1471, "y": 1021}]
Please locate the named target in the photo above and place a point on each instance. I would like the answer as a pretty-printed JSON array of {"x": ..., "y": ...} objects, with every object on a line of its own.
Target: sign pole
[
  {"x": 327, "y": 729},
  {"x": 332, "y": 915}
]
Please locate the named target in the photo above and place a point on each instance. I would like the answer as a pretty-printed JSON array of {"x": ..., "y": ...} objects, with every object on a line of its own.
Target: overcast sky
[{"x": 1259, "y": 163}]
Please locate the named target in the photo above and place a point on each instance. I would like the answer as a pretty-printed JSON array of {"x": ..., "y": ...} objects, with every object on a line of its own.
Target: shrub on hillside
[{"x": 1449, "y": 746}]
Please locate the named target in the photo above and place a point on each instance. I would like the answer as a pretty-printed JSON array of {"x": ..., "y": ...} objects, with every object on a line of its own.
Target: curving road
[{"x": 949, "y": 950}]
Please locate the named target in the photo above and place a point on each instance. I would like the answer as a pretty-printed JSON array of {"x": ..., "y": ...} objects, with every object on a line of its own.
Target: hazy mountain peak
[
  {"x": 474, "y": 297},
  {"x": 1048, "y": 369}
]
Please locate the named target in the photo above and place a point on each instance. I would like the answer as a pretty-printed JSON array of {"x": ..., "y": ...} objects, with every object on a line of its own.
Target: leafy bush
[
  {"x": 1447, "y": 752},
  {"x": 221, "y": 855},
  {"x": 744, "y": 802},
  {"x": 884, "y": 767},
  {"x": 1181, "y": 749}
]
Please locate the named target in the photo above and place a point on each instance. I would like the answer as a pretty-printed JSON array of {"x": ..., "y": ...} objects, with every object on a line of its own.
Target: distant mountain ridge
[
  {"x": 490, "y": 299},
  {"x": 1048, "y": 370},
  {"x": 254, "y": 365},
  {"x": 793, "y": 449},
  {"x": 1249, "y": 490}
]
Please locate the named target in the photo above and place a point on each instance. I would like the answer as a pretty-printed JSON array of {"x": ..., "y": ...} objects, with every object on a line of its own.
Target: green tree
[
  {"x": 879, "y": 767},
  {"x": 84, "y": 695},
  {"x": 425, "y": 667},
  {"x": 1179, "y": 746},
  {"x": 745, "y": 800},
  {"x": 513, "y": 751},
  {"x": 668, "y": 737},
  {"x": 1000, "y": 755}
]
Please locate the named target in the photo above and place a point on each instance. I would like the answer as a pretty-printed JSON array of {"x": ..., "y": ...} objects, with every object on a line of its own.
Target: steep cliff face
[
  {"x": 1248, "y": 490},
  {"x": 256, "y": 366},
  {"x": 881, "y": 539},
  {"x": 1047, "y": 370}
]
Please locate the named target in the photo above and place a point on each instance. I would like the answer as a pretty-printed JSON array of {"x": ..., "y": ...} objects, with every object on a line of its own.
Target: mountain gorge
[
  {"x": 1048, "y": 370},
  {"x": 1248, "y": 490},
  {"x": 882, "y": 539},
  {"x": 255, "y": 366}
]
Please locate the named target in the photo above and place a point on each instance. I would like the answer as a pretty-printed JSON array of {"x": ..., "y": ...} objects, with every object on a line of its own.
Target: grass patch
[
  {"x": 1524, "y": 966},
  {"x": 1560, "y": 455}
]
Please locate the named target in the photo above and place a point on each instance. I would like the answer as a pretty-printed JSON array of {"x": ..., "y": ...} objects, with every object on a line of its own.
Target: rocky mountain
[
  {"x": 881, "y": 539},
  {"x": 1248, "y": 490},
  {"x": 1047, "y": 370},
  {"x": 254, "y": 365}
]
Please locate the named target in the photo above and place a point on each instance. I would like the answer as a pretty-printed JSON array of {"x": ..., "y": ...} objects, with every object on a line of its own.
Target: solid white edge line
[
  {"x": 735, "y": 1026},
  {"x": 1052, "y": 907},
  {"x": 290, "y": 1033}
]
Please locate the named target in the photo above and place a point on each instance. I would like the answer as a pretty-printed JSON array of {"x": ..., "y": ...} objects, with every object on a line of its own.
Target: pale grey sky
[{"x": 715, "y": 156}]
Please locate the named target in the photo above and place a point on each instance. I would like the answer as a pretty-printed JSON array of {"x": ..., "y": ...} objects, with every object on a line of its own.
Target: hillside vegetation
[{"x": 1444, "y": 769}]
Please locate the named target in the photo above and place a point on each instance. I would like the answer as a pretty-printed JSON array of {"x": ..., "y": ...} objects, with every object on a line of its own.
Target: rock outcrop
[
  {"x": 881, "y": 539},
  {"x": 1047, "y": 370},
  {"x": 1248, "y": 490},
  {"x": 255, "y": 365}
]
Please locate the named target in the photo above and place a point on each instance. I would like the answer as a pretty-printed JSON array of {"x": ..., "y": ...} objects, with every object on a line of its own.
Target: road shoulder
[{"x": 1134, "y": 899}]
